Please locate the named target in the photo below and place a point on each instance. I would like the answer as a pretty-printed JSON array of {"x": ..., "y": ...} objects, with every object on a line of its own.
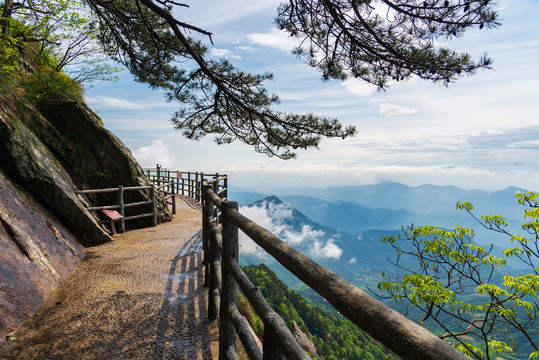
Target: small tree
[
  {"x": 62, "y": 30},
  {"x": 465, "y": 290}
]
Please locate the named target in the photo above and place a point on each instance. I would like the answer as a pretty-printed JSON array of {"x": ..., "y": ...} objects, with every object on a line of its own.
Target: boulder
[{"x": 26, "y": 159}]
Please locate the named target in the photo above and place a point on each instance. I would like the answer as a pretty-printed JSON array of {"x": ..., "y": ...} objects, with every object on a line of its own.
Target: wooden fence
[
  {"x": 188, "y": 183},
  {"x": 221, "y": 222},
  {"x": 166, "y": 187}
]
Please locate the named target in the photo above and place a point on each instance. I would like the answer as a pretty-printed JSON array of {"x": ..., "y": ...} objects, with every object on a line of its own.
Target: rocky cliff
[{"x": 46, "y": 153}]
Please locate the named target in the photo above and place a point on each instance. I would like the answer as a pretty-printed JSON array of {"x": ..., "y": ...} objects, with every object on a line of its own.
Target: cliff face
[
  {"x": 45, "y": 155},
  {"x": 36, "y": 252}
]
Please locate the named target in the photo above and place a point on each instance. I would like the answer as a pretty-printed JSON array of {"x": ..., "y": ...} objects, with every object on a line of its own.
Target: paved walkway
[{"x": 140, "y": 297}]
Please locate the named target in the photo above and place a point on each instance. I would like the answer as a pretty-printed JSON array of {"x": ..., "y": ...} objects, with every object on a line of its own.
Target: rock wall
[
  {"x": 30, "y": 163},
  {"x": 36, "y": 252},
  {"x": 45, "y": 155}
]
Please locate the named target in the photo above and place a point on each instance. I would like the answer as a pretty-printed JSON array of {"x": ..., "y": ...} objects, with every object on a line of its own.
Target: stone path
[{"x": 140, "y": 297}]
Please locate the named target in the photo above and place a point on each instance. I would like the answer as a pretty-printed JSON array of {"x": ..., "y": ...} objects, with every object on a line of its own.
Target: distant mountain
[
  {"x": 359, "y": 258},
  {"x": 388, "y": 206},
  {"x": 354, "y": 218},
  {"x": 424, "y": 199},
  {"x": 244, "y": 196}
]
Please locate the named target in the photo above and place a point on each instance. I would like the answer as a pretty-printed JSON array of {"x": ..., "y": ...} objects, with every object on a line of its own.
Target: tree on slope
[
  {"x": 56, "y": 30},
  {"x": 465, "y": 291},
  {"x": 376, "y": 41}
]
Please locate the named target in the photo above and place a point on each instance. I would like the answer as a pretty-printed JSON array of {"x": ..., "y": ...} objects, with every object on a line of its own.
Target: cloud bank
[
  {"x": 111, "y": 102},
  {"x": 276, "y": 218},
  {"x": 157, "y": 153}
]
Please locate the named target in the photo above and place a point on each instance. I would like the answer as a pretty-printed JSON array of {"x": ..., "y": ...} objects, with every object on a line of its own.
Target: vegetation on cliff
[
  {"x": 464, "y": 292},
  {"x": 52, "y": 38},
  {"x": 48, "y": 50},
  {"x": 29, "y": 62},
  {"x": 333, "y": 337},
  {"x": 51, "y": 144}
]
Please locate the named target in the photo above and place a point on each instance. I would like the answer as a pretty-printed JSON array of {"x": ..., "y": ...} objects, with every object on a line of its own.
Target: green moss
[{"x": 15, "y": 124}]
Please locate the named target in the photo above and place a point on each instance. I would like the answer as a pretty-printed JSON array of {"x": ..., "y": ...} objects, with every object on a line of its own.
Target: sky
[{"x": 481, "y": 132}]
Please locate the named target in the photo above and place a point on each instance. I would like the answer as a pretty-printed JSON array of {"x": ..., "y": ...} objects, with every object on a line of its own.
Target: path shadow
[
  {"x": 183, "y": 329},
  {"x": 192, "y": 203}
]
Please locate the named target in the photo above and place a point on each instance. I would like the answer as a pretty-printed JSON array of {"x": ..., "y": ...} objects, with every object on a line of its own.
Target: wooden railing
[
  {"x": 221, "y": 222},
  {"x": 168, "y": 188},
  {"x": 188, "y": 183},
  {"x": 121, "y": 205}
]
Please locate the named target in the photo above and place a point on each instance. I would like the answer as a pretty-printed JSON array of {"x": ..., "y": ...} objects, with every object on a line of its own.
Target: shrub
[{"x": 47, "y": 84}]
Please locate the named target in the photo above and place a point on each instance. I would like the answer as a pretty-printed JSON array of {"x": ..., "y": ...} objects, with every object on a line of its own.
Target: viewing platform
[{"x": 139, "y": 297}]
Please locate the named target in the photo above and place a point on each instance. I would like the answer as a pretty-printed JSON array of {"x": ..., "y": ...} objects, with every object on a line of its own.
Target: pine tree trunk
[{"x": 6, "y": 17}]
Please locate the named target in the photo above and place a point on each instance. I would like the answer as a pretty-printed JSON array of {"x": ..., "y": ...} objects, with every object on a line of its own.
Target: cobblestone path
[{"x": 140, "y": 297}]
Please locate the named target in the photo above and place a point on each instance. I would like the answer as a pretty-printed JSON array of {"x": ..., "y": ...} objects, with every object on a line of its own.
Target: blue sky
[{"x": 479, "y": 133}]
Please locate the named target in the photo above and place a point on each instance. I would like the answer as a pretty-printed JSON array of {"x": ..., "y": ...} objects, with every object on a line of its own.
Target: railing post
[
  {"x": 225, "y": 184},
  {"x": 270, "y": 346},
  {"x": 173, "y": 197},
  {"x": 211, "y": 254},
  {"x": 154, "y": 205},
  {"x": 197, "y": 187},
  {"x": 183, "y": 186},
  {"x": 189, "y": 184},
  {"x": 215, "y": 276},
  {"x": 179, "y": 179},
  {"x": 207, "y": 207},
  {"x": 122, "y": 208},
  {"x": 217, "y": 184},
  {"x": 200, "y": 184},
  {"x": 229, "y": 287}
]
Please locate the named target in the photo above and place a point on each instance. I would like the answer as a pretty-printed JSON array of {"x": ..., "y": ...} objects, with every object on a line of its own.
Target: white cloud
[
  {"x": 329, "y": 250},
  {"x": 395, "y": 110},
  {"x": 307, "y": 233},
  {"x": 359, "y": 87},
  {"x": 272, "y": 217},
  {"x": 157, "y": 153},
  {"x": 224, "y": 53},
  {"x": 249, "y": 247},
  {"x": 353, "y": 260},
  {"x": 275, "y": 39},
  {"x": 114, "y": 103},
  {"x": 210, "y": 14}
]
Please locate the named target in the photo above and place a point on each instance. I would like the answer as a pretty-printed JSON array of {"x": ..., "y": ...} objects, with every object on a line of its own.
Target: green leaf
[{"x": 464, "y": 206}]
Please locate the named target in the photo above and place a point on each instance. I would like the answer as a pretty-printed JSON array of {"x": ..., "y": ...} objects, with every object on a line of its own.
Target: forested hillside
[{"x": 333, "y": 337}]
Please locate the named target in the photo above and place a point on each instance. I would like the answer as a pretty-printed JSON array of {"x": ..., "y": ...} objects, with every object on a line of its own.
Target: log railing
[
  {"x": 221, "y": 222},
  {"x": 121, "y": 205},
  {"x": 169, "y": 194},
  {"x": 186, "y": 182}
]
